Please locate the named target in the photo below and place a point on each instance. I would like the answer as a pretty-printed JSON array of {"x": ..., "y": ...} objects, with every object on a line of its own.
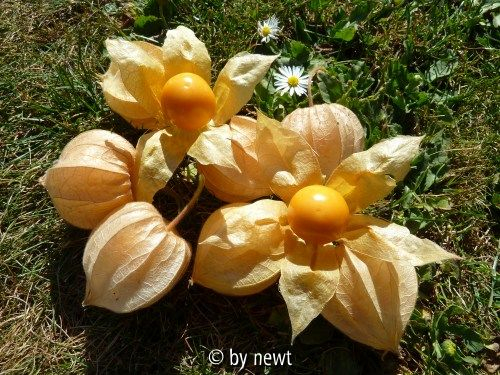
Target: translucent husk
[{"x": 91, "y": 178}]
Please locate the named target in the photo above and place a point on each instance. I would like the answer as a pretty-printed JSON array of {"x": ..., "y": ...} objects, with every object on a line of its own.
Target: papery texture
[
  {"x": 236, "y": 82},
  {"x": 240, "y": 248},
  {"x": 332, "y": 130},
  {"x": 185, "y": 53},
  {"x": 368, "y": 176},
  {"x": 374, "y": 300},
  {"x": 290, "y": 163},
  {"x": 131, "y": 260},
  {"x": 122, "y": 102},
  {"x": 91, "y": 178},
  {"x": 226, "y": 156},
  {"x": 158, "y": 155},
  {"x": 141, "y": 70},
  {"x": 309, "y": 279},
  {"x": 391, "y": 242}
]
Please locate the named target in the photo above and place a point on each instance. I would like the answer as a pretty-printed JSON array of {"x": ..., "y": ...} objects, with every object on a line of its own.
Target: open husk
[
  {"x": 91, "y": 178},
  {"x": 133, "y": 259},
  {"x": 332, "y": 130}
]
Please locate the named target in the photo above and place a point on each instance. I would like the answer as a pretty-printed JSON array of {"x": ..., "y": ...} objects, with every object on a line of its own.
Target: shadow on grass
[{"x": 176, "y": 334}]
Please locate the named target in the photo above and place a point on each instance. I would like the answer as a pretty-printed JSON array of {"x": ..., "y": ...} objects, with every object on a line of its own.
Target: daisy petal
[
  {"x": 241, "y": 247},
  {"x": 236, "y": 82},
  {"x": 374, "y": 300},
  {"x": 391, "y": 242},
  {"x": 308, "y": 287},
  {"x": 366, "y": 177},
  {"x": 184, "y": 52}
]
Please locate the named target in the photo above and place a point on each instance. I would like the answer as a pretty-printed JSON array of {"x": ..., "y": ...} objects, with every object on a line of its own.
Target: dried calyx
[{"x": 91, "y": 178}]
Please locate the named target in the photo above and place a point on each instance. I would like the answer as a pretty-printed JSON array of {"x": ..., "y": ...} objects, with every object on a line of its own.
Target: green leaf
[
  {"x": 318, "y": 5},
  {"x": 440, "y": 68},
  {"x": 471, "y": 360},
  {"x": 299, "y": 51},
  {"x": 361, "y": 11},
  {"x": 442, "y": 204},
  {"x": 147, "y": 25},
  {"x": 330, "y": 88},
  {"x": 347, "y": 32},
  {"x": 300, "y": 30}
]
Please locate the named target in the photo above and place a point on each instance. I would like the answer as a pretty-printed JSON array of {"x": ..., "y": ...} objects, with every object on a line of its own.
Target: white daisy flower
[
  {"x": 268, "y": 29},
  {"x": 290, "y": 79}
]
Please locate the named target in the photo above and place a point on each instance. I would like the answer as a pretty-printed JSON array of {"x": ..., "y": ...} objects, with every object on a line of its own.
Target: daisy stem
[
  {"x": 189, "y": 206},
  {"x": 309, "y": 83}
]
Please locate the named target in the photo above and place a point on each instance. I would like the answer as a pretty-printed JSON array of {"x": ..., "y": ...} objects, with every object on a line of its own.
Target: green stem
[{"x": 189, "y": 206}]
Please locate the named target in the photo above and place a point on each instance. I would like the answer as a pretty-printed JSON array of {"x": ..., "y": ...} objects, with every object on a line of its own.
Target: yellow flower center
[
  {"x": 188, "y": 101},
  {"x": 266, "y": 30},
  {"x": 293, "y": 81},
  {"x": 318, "y": 214}
]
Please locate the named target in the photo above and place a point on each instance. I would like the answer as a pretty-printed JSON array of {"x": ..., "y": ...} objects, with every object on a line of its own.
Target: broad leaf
[
  {"x": 241, "y": 247},
  {"x": 374, "y": 300},
  {"x": 365, "y": 177},
  {"x": 131, "y": 259}
]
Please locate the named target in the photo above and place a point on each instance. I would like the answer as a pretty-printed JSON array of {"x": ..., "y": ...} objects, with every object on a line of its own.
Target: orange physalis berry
[
  {"x": 317, "y": 214},
  {"x": 188, "y": 101}
]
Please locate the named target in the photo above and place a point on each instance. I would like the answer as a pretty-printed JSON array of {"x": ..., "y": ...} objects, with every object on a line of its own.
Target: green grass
[{"x": 411, "y": 67}]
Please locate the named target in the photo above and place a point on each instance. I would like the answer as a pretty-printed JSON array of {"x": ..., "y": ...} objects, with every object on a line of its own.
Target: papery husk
[
  {"x": 332, "y": 130},
  {"x": 226, "y": 157},
  {"x": 133, "y": 83},
  {"x": 285, "y": 158},
  {"x": 309, "y": 279},
  {"x": 236, "y": 82},
  {"x": 158, "y": 156},
  {"x": 368, "y": 176},
  {"x": 185, "y": 53},
  {"x": 374, "y": 300},
  {"x": 91, "y": 178},
  {"x": 134, "y": 80},
  {"x": 241, "y": 247},
  {"x": 122, "y": 102},
  {"x": 390, "y": 242},
  {"x": 132, "y": 259},
  {"x": 138, "y": 70}
]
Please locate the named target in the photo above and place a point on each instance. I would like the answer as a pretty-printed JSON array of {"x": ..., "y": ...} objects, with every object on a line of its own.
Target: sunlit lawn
[{"x": 404, "y": 67}]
